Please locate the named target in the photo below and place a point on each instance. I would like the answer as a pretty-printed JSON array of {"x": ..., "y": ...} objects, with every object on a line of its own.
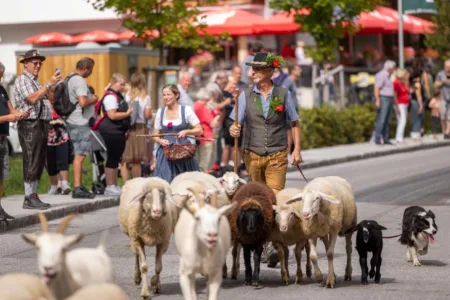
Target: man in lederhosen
[
  {"x": 30, "y": 96},
  {"x": 264, "y": 110}
]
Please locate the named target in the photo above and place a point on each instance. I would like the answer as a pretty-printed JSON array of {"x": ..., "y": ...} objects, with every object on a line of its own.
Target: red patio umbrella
[
  {"x": 281, "y": 23},
  {"x": 375, "y": 23},
  {"x": 49, "y": 38},
  {"x": 234, "y": 21},
  {"x": 130, "y": 34},
  {"x": 96, "y": 36},
  {"x": 411, "y": 24}
]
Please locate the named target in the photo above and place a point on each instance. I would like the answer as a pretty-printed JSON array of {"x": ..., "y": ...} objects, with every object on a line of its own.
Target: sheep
[
  {"x": 289, "y": 232},
  {"x": 21, "y": 286},
  {"x": 202, "y": 238},
  {"x": 108, "y": 291},
  {"x": 369, "y": 238},
  {"x": 251, "y": 222},
  {"x": 231, "y": 182},
  {"x": 329, "y": 210},
  {"x": 147, "y": 215},
  {"x": 65, "y": 272}
]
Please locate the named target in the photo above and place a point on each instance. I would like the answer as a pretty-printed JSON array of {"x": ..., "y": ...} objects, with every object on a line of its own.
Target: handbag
[{"x": 179, "y": 152}]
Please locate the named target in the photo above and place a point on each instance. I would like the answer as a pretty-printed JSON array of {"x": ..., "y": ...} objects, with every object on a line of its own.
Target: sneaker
[
  {"x": 4, "y": 216},
  {"x": 111, "y": 191},
  {"x": 65, "y": 190},
  {"x": 81, "y": 193},
  {"x": 33, "y": 202},
  {"x": 118, "y": 189},
  {"x": 54, "y": 191}
]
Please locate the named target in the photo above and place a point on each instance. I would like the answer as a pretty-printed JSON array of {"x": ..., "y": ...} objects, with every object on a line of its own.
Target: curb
[
  {"x": 362, "y": 156},
  {"x": 59, "y": 213}
]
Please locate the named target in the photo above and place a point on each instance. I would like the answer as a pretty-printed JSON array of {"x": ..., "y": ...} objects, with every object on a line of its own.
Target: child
[{"x": 436, "y": 105}]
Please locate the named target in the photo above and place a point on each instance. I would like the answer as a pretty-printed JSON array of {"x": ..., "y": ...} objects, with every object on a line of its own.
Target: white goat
[
  {"x": 147, "y": 214},
  {"x": 202, "y": 238},
  {"x": 290, "y": 232},
  {"x": 21, "y": 286},
  {"x": 329, "y": 210},
  {"x": 108, "y": 291},
  {"x": 65, "y": 272}
]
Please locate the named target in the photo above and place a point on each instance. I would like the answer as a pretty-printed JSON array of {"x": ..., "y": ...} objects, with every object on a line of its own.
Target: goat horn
[
  {"x": 213, "y": 200},
  {"x": 63, "y": 225},
  {"x": 200, "y": 200},
  {"x": 44, "y": 223}
]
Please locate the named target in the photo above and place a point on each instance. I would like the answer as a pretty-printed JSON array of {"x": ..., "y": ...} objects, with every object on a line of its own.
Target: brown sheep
[{"x": 251, "y": 223}]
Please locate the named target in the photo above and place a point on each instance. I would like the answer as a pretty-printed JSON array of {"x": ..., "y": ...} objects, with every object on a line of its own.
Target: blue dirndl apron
[{"x": 165, "y": 169}]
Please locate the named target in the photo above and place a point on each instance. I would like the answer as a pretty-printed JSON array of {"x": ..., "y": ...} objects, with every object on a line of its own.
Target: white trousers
[{"x": 402, "y": 116}]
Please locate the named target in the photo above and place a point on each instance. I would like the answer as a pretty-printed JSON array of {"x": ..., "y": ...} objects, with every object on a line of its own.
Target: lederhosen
[{"x": 33, "y": 135}]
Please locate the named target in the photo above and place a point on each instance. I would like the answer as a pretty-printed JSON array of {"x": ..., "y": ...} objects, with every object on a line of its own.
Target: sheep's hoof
[
  {"x": 364, "y": 281},
  {"x": 298, "y": 279},
  {"x": 234, "y": 276},
  {"x": 248, "y": 282},
  {"x": 319, "y": 278},
  {"x": 285, "y": 282},
  {"x": 156, "y": 285},
  {"x": 348, "y": 277},
  {"x": 146, "y": 297},
  {"x": 137, "y": 280},
  {"x": 224, "y": 275},
  {"x": 308, "y": 272},
  {"x": 257, "y": 286},
  {"x": 377, "y": 279},
  {"x": 417, "y": 264},
  {"x": 371, "y": 273},
  {"x": 330, "y": 284}
]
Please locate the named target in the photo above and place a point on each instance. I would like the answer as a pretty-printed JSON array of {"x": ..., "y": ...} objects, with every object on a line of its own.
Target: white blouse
[{"x": 190, "y": 116}]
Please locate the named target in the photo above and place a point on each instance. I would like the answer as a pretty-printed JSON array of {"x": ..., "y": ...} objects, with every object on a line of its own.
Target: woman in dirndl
[
  {"x": 177, "y": 119},
  {"x": 136, "y": 147}
]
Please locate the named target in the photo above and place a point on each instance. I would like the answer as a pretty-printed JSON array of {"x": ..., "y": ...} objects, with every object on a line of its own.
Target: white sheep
[
  {"x": 108, "y": 291},
  {"x": 290, "y": 232},
  {"x": 147, "y": 214},
  {"x": 329, "y": 210},
  {"x": 230, "y": 181},
  {"x": 21, "y": 286},
  {"x": 202, "y": 239},
  {"x": 66, "y": 271}
]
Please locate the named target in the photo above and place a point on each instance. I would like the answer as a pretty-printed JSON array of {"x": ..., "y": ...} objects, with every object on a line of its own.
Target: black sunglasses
[{"x": 35, "y": 63}]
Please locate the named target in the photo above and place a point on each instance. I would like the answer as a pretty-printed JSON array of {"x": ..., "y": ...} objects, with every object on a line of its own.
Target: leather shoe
[
  {"x": 4, "y": 216},
  {"x": 33, "y": 202}
]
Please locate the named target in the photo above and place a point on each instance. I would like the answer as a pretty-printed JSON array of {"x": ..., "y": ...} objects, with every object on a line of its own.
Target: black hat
[
  {"x": 265, "y": 60},
  {"x": 32, "y": 54}
]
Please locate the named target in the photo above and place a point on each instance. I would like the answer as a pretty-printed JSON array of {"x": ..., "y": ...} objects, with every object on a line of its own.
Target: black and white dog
[{"x": 418, "y": 231}]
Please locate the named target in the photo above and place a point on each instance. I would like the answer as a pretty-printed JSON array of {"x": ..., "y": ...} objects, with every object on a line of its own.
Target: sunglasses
[{"x": 37, "y": 63}]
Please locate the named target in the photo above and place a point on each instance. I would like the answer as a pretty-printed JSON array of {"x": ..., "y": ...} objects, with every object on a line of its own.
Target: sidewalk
[{"x": 64, "y": 205}]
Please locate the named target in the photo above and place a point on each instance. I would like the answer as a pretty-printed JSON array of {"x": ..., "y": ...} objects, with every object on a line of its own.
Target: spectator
[
  {"x": 77, "y": 122},
  {"x": 401, "y": 102},
  {"x": 442, "y": 83},
  {"x": 254, "y": 48},
  {"x": 209, "y": 121},
  {"x": 58, "y": 154},
  {"x": 300, "y": 53},
  {"x": 174, "y": 118},
  {"x": 113, "y": 127},
  {"x": 286, "y": 50},
  {"x": 384, "y": 101},
  {"x": 416, "y": 96},
  {"x": 33, "y": 130},
  {"x": 184, "y": 83},
  {"x": 136, "y": 147},
  {"x": 236, "y": 72},
  {"x": 436, "y": 108},
  {"x": 7, "y": 114}
]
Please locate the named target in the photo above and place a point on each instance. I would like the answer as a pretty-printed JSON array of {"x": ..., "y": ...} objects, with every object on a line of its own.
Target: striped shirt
[{"x": 25, "y": 85}]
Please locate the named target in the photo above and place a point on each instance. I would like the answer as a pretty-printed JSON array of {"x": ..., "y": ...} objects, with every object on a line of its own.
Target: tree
[
  {"x": 439, "y": 39},
  {"x": 172, "y": 19},
  {"x": 326, "y": 20}
]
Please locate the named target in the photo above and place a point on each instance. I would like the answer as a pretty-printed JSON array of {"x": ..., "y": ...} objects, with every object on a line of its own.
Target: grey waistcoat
[{"x": 264, "y": 136}]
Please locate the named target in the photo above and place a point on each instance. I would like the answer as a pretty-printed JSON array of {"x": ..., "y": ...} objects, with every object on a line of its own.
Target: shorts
[
  {"x": 268, "y": 169},
  {"x": 228, "y": 139},
  {"x": 80, "y": 135},
  {"x": 4, "y": 159},
  {"x": 445, "y": 111},
  {"x": 58, "y": 158}
]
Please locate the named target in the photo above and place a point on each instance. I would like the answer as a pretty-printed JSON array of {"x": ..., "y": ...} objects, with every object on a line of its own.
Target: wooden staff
[
  {"x": 175, "y": 134},
  {"x": 236, "y": 122}
]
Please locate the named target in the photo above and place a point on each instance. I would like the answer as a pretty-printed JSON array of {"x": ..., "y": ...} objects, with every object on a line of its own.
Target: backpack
[
  {"x": 61, "y": 100},
  {"x": 99, "y": 114}
]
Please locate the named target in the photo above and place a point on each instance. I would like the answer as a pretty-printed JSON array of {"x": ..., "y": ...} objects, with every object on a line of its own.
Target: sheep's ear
[
  {"x": 274, "y": 207},
  {"x": 297, "y": 214},
  {"x": 225, "y": 210},
  {"x": 242, "y": 181},
  {"x": 30, "y": 238},
  {"x": 297, "y": 197},
  {"x": 70, "y": 240},
  {"x": 328, "y": 198},
  {"x": 379, "y": 227}
]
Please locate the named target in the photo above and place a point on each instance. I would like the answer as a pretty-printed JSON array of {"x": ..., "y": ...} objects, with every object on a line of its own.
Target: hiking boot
[
  {"x": 4, "y": 216},
  {"x": 81, "y": 193},
  {"x": 33, "y": 202}
]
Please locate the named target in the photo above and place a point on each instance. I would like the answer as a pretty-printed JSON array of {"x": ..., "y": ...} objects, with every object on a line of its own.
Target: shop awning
[{"x": 50, "y": 38}]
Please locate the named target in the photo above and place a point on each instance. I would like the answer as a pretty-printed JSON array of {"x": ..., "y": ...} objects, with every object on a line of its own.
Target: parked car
[{"x": 13, "y": 140}]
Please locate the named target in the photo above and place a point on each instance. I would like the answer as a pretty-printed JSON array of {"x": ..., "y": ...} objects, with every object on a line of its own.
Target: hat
[
  {"x": 266, "y": 60},
  {"x": 31, "y": 54}
]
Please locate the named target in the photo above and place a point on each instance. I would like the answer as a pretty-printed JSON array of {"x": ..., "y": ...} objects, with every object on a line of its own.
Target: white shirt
[
  {"x": 110, "y": 102},
  {"x": 190, "y": 116},
  {"x": 143, "y": 103},
  {"x": 300, "y": 55}
]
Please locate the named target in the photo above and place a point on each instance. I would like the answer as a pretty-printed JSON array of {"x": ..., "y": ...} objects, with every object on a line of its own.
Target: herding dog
[{"x": 417, "y": 232}]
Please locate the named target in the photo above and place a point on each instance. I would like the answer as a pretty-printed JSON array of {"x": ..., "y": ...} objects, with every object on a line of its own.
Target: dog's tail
[{"x": 392, "y": 236}]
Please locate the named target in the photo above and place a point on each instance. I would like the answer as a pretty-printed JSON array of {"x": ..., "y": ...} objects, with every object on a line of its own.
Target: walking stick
[{"x": 236, "y": 122}]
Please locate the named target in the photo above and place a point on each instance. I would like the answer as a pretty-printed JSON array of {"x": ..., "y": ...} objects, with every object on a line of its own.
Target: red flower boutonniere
[
  {"x": 169, "y": 125},
  {"x": 276, "y": 104},
  {"x": 279, "y": 108}
]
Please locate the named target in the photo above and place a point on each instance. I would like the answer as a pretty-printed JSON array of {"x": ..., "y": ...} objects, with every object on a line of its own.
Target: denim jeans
[
  {"x": 384, "y": 119},
  {"x": 416, "y": 119},
  {"x": 401, "y": 122}
]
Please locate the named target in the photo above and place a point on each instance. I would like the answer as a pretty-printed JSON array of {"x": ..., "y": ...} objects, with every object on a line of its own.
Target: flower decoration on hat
[{"x": 274, "y": 60}]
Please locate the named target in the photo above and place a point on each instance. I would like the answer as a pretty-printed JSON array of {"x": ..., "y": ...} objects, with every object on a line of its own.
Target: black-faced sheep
[
  {"x": 251, "y": 222},
  {"x": 369, "y": 238}
]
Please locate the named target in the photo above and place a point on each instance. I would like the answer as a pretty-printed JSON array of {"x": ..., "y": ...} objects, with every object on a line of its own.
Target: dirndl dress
[{"x": 168, "y": 170}]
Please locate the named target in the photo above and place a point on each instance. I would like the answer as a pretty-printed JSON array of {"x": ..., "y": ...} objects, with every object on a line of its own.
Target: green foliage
[
  {"x": 327, "y": 20},
  {"x": 439, "y": 40},
  {"x": 171, "y": 18}
]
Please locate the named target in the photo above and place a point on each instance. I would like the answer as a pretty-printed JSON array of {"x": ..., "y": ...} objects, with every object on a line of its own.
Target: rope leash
[
  {"x": 392, "y": 236},
  {"x": 301, "y": 172}
]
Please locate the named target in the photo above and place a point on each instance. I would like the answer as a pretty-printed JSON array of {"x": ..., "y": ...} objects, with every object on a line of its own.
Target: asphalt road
[{"x": 383, "y": 187}]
